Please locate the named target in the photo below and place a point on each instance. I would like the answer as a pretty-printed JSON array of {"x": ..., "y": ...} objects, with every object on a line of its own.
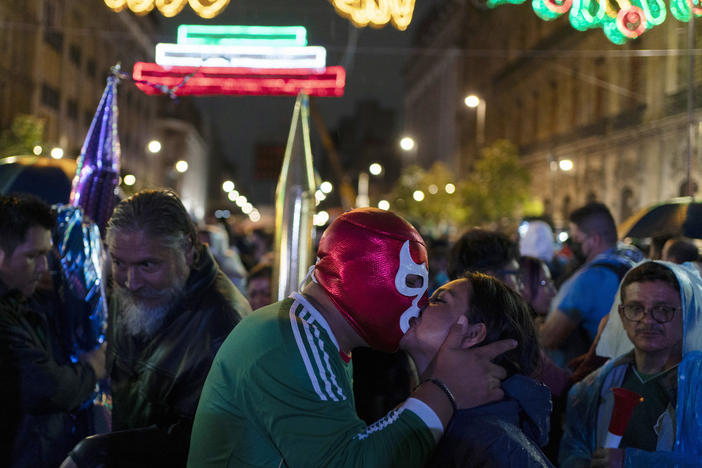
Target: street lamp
[
  {"x": 565, "y": 165},
  {"x": 227, "y": 185},
  {"x": 181, "y": 166},
  {"x": 154, "y": 146},
  {"x": 474, "y": 102},
  {"x": 375, "y": 169},
  {"x": 407, "y": 143},
  {"x": 57, "y": 152},
  {"x": 326, "y": 187}
]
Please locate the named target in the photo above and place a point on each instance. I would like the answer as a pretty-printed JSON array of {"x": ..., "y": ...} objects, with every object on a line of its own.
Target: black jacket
[
  {"x": 156, "y": 383},
  {"x": 503, "y": 434},
  {"x": 41, "y": 390}
]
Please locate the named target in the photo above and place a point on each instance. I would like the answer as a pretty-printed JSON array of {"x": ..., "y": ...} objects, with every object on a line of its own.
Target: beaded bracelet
[{"x": 446, "y": 390}]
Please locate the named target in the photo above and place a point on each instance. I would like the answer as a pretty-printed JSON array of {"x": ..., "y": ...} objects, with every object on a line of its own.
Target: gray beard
[{"x": 138, "y": 320}]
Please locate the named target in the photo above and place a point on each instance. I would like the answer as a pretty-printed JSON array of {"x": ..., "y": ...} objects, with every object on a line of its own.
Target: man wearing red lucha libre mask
[{"x": 279, "y": 392}]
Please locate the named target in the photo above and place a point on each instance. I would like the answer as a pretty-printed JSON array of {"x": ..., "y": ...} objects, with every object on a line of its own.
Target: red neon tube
[{"x": 239, "y": 81}]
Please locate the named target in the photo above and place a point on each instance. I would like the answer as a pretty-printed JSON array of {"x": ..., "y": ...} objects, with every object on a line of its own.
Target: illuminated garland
[
  {"x": 376, "y": 13},
  {"x": 620, "y": 20},
  {"x": 204, "y": 8}
]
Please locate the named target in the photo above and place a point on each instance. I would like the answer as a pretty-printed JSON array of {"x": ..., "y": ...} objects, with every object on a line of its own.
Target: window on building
[
  {"x": 52, "y": 36},
  {"x": 74, "y": 54},
  {"x": 683, "y": 65},
  {"x": 72, "y": 109},
  {"x": 626, "y": 204},
  {"x": 691, "y": 191},
  {"x": 565, "y": 207},
  {"x": 88, "y": 118},
  {"x": 552, "y": 121},
  {"x": 537, "y": 108},
  {"x": 601, "y": 76},
  {"x": 50, "y": 97},
  {"x": 517, "y": 122},
  {"x": 636, "y": 78},
  {"x": 91, "y": 68},
  {"x": 54, "y": 39},
  {"x": 574, "y": 98}
]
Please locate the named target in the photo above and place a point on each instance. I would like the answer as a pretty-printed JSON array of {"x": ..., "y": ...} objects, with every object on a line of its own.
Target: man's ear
[{"x": 475, "y": 334}]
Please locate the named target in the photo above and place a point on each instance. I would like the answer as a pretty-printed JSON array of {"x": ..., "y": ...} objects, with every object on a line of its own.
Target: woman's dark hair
[
  {"x": 649, "y": 271},
  {"x": 505, "y": 315},
  {"x": 531, "y": 272}
]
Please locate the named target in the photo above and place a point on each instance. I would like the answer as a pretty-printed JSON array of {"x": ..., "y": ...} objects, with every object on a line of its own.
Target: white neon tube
[{"x": 240, "y": 56}]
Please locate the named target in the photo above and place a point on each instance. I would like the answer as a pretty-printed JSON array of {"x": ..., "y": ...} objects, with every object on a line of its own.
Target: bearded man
[{"x": 171, "y": 309}]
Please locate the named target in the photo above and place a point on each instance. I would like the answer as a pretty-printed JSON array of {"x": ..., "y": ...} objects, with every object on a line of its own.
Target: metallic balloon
[
  {"x": 97, "y": 171},
  {"x": 79, "y": 250}
]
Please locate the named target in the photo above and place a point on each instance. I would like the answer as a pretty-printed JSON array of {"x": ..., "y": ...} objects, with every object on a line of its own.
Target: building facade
[
  {"x": 617, "y": 112},
  {"x": 57, "y": 55}
]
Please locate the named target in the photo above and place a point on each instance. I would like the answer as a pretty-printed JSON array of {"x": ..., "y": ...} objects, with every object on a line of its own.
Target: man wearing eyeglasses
[{"x": 657, "y": 298}]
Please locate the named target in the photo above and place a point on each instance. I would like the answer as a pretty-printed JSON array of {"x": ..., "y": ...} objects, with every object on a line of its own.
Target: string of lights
[
  {"x": 621, "y": 20},
  {"x": 376, "y": 13},
  {"x": 169, "y": 8}
]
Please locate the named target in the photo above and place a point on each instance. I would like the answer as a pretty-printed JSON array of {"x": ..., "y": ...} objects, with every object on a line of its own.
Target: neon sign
[
  {"x": 250, "y": 60},
  {"x": 202, "y": 81},
  {"x": 275, "y": 36},
  {"x": 241, "y": 56}
]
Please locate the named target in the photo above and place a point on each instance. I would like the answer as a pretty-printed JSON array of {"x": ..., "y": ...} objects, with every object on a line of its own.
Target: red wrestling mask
[{"x": 373, "y": 266}]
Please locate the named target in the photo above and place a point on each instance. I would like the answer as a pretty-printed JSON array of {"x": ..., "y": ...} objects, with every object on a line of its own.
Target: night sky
[{"x": 374, "y": 71}]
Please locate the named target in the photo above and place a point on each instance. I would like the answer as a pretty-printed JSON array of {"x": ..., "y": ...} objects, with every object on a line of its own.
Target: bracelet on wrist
[{"x": 446, "y": 391}]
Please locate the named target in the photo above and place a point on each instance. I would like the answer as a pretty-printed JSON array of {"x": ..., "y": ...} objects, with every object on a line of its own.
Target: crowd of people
[{"x": 491, "y": 350}]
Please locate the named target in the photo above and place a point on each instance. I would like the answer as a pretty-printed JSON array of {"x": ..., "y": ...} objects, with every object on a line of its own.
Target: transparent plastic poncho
[{"x": 687, "y": 449}]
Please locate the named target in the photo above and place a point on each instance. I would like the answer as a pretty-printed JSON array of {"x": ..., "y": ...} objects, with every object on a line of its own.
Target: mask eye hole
[{"x": 414, "y": 281}]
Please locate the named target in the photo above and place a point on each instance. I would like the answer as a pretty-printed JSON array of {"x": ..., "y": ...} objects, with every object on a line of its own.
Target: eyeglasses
[{"x": 661, "y": 313}]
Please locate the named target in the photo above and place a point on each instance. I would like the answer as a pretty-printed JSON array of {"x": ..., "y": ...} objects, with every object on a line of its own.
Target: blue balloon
[{"x": 79, "y": 251}]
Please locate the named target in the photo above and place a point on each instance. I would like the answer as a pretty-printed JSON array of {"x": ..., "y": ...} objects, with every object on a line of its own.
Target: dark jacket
[
  {"x": 41, "y": 390},
  {"x": 156, "y": 383},
  {"x": 503, "y": 434}
]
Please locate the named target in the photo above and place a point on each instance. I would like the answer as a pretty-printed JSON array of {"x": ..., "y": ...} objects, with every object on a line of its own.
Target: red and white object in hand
[{"x": 624, "y": 403}]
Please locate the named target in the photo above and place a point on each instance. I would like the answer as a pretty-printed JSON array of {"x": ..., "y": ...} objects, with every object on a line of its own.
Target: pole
[
  {"x": 690, "y": 102},
  {"x": 294, "y": 206},
  {"x": 362, "y": 199},
  {"x": 480, "y": 137}
]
